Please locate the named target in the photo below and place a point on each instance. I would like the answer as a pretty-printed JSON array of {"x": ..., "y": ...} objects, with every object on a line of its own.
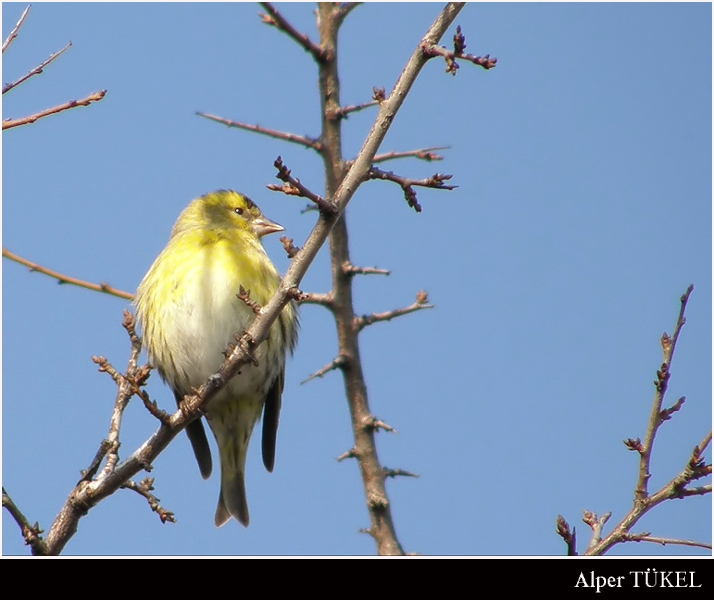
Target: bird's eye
[{"x": 239, "y": 210}]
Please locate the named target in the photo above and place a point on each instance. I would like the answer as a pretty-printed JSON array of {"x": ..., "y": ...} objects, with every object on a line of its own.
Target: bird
[{"x": 189, "y": 311}]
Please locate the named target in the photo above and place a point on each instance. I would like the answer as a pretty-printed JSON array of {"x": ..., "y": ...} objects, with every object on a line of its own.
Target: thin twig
[
  {"x": 13, "y": 33},
  {"x": 274, "y": 133},
  {"x": 562, "y": 528},
  {"x": 293, "y": 187},
  {"x": 337, "y": 363},
  {"x": 646, "y": 537},
  {"x": 596, "y": 524},
  {"x": 450, "y": 56},
  {"x": 350, "y": 270},
  {"x": 36, "y": 71},
  {"x": 694, "y": 469},
  {"x": 327, "y": 300},
  {"x": 30, "y": 533},
  {"x": 144, "y": 489},
  {"x": 244, "y": 296},
  {"x": 436, "y": 181},
  {"x": 290, "y": 248},
  {"x": 275, "y": 19},
  {"x": 427, "y": 154},
  {"x": 420, "y": 303},
  {"x": 95, "y": 97},
  {"x": 96, "y": 287},
  {"x": 341, "y": 113},
  {"x": 398, "y": 473},
  {"x": 668, "y": 345}
]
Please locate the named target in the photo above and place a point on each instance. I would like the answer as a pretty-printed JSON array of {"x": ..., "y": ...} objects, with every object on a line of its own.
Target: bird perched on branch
[{"x": 189, "y": 308}]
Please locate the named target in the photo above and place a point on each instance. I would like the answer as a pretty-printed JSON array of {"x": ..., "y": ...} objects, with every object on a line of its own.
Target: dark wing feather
[
  {"x": 271, "y": 414},
  {"x": 197, "y": 436}
]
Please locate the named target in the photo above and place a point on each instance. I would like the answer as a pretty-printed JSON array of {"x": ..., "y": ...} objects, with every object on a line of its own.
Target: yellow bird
[{"x": 189, "y": 311}]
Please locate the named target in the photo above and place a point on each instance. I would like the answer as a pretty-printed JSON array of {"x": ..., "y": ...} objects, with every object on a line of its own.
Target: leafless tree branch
[
  {"x": 420, "y": 303},
  {"x": 292, "y": 187},
  {"x": 274, "y": 133},
  {"x": 275, "y": 19},
  {"x": 36, "y": 71},
  {"x": 30, "y": 533},
  {"x": 562, "y": 528},
  {"x": 436, "y": 181},
  {"x": 97, "y": 287},
  {"x": 450, "y": 56},
  {"x": 16, "y": 29},
  {"x": 95, "y": 97},
  {"x": 695, "y": 468},
  {"x": 427, "y": 154},
  {"x": 646, "y": 537},
  {"x": 144, "y": 489}
]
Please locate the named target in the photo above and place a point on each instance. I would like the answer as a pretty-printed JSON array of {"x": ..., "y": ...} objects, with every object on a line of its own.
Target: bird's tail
[{"x": 232, "y": 501}]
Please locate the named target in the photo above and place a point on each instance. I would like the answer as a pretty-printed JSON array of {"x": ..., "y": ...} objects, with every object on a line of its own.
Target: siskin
[{"x": 189, "y": 311}]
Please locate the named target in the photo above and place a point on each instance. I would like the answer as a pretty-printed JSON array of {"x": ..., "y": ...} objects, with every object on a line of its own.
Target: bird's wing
[
  {"x": 197, "y": 436},
  {"x": 271, "y": 414}
]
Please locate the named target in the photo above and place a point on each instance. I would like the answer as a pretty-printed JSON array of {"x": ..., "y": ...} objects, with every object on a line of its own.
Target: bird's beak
[{"x": 263, "y": 226}]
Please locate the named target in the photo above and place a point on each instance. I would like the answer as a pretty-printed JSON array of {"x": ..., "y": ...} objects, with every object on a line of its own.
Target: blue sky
[{"x": 583, "y": 212}]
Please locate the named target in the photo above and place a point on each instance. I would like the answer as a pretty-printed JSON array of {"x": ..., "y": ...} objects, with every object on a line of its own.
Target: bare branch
[
  {"x": 427, "y": 154},
  {"x": 244, "y": 296},
  {"x": 398, "y": 473},
  {"x": 36, "y": 71},
  {"x": 351, "y": 270},
  {"x": 341, "y": 113},
  {"x": 436, "y": 181},
  {"x": 646, "y": 537},
  {"x": 97, "y": 287},
  {"x": 275, "y": 19},
  {"x": 349, "y": 454},
  {"x": 13, "y": 33},
  {"x": 562, "y": 528},
  {"x": 144, "y": 489},
  {"x": 656, "y": 418},
  {"x": 420, "y": 303},
  {"x": 290, "y": 248},
  {"x": 596, "y": 524},
  {"x": 376, "y": 424},
  {"x": 95, "y": 97},
  {"x": 337, "y": 363},
  {"x": 274, "y": 133},
  {"x": 676, "y": 488},
  {"x": 30, "y": 533},
  {"x": 326, "y": 300},
  {"x": 450, "y": 56},
  {"x": 293, "y": 187}
]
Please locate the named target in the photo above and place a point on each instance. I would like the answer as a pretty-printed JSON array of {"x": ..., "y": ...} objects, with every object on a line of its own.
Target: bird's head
[{"x": 225, "y": 209}]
